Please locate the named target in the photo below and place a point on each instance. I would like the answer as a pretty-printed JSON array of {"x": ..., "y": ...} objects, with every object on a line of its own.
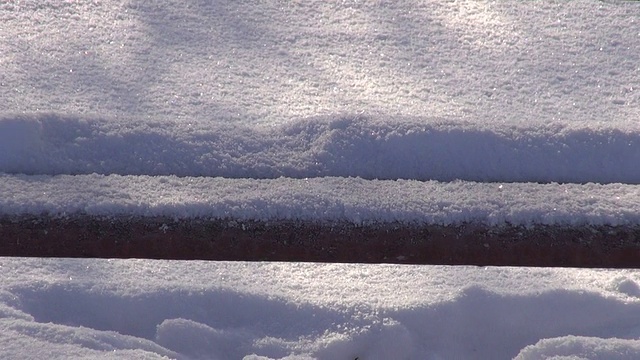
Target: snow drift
[
  {"x": 219, "y": 310},
  {"x": 370, "y": 147}
]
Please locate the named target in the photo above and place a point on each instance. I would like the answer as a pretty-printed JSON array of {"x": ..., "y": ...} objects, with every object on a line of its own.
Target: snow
[
  {"x": 272, "y": 61},
  {"x": 382, "y": 111},
  {"x": 93, "y": 308},
  {"x": 218, "y": 310},
  {"x": 370, "y": 147},
  {"x": 322, "y": 199}
]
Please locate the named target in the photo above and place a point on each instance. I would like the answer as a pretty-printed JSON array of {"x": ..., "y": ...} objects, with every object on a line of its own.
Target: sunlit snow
[{"x": 438, "y": 112}]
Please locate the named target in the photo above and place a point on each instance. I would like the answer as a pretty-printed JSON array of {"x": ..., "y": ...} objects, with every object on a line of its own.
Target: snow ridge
[{"x": 367, "y": 146}]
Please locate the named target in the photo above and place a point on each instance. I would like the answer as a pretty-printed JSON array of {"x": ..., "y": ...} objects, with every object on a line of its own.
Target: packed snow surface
[
  {"x": 267, "y": 62},
  {"x": 410, "y": 110}
]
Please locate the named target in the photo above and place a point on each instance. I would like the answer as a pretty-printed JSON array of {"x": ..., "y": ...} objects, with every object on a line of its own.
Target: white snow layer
[
  {"x": 319, "y": 199},
  {"x": 371, "y": 147},
  {"x": 140, "y": 309},
  {"x": 474, "y": 91},
  {"x": 270, "y": 61}
]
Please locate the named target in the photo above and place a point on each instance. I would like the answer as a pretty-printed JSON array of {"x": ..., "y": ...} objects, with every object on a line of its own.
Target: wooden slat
[{"x": 198, "y": 239}]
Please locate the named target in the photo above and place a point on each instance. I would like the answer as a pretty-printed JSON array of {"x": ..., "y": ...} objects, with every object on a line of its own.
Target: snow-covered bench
[{"x": 323, "y": 219}]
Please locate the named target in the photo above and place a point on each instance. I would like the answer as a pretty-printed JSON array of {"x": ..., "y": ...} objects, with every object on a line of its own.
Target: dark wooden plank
[{"x": 227, "y": 239}]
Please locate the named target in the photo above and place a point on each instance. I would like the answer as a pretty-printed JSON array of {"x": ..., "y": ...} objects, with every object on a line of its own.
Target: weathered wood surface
[{"x": 216, "y": 239}]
